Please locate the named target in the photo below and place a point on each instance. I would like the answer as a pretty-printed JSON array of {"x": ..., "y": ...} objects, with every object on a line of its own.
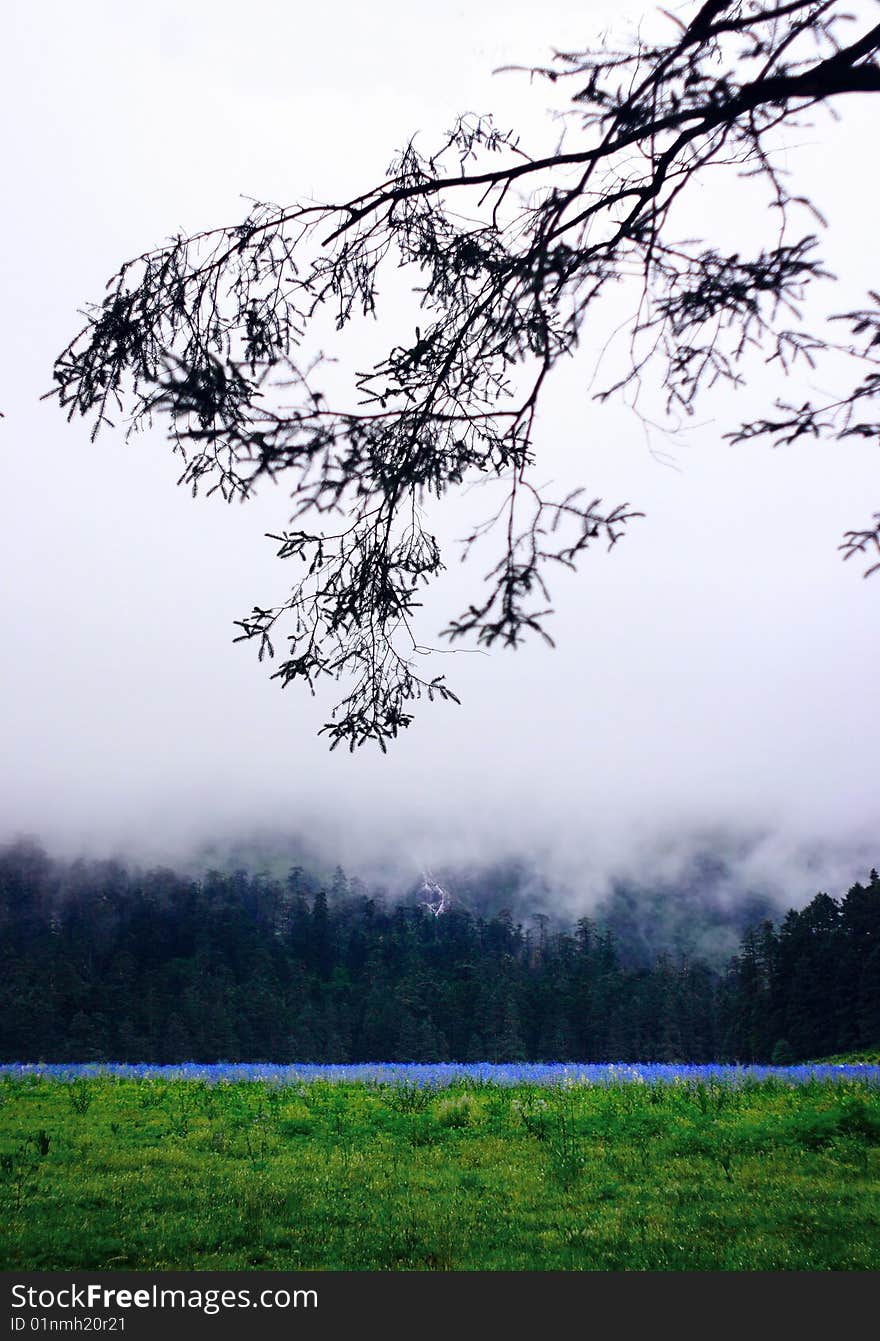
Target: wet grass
[{"x": 157, "y": 1174}]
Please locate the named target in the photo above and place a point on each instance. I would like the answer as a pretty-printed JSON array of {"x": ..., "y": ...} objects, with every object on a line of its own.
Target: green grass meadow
[{"x": 143, "y": 1174}]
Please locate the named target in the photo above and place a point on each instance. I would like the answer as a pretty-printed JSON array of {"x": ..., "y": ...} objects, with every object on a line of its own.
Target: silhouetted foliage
[{"x": 508, "y": 256}]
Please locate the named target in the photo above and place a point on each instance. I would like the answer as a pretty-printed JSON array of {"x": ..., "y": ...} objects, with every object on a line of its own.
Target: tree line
[{"x": 101, "y": 962}]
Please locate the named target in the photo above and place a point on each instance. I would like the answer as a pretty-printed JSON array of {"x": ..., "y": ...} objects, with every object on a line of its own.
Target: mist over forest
[
  {"x": 692, "y": 893},
  {"x": 701, "y": 908},
  {"x": 106, "y": 961}
]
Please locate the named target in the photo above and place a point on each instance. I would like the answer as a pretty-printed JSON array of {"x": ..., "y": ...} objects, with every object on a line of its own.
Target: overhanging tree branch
[{"x": 508, "y": 253}]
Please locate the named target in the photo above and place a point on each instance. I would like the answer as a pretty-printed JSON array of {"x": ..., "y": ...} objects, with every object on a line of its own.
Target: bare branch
[{"x": 508, "y": 254}]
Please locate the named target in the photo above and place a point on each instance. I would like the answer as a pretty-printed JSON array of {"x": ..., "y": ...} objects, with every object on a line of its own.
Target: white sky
[{"x": 716, "y": 673}]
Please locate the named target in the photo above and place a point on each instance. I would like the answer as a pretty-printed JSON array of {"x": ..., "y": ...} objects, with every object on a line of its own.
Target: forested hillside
[{"x": 99, "y": 962}]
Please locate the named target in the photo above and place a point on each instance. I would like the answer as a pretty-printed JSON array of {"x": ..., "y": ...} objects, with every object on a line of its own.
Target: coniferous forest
[{"x": 102, "y": 962}]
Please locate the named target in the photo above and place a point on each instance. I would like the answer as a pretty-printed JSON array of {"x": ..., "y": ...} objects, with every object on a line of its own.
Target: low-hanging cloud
[{"x": 714, "y": 684}]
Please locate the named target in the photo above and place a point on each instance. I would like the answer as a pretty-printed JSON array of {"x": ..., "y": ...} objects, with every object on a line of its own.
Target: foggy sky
[{"x": 714, "y": 679}]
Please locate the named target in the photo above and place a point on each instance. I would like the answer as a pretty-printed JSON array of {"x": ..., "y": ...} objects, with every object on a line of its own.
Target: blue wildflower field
[{"x": 441, "y": 1074}]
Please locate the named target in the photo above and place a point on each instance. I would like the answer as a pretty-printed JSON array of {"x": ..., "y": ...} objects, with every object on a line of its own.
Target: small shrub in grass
[
  {"x": 219, "y": 1143},
  {"x": 812, "y": 1128},
  {"x": 566, "y": 1149},
  {"x": 79, "y": 1094},
  {"x": 408, "y": 1097},
  {"x": 858, "y": 1120},
  {"x": 418, "y": 1130},
  {"x": 179, "y": 1110},
  {"x": 566, "y": 1161},
  {"x": 533, "y": 1112},
  {"x": 151, "y": 1094},
  {"x": 458, "y": 1110},
  {"x": 296, "y": 1123},
  {"x": 19, "y": 1167},
  {"x": 711, "y": 1098}
]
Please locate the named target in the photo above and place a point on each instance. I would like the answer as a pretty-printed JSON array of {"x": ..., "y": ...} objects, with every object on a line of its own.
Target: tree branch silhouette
[{"x": 507, "y": 254}]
